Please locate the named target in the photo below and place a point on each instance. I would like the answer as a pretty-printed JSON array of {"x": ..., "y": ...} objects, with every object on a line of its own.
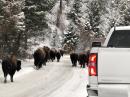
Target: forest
[{"x": 68, "y": 24}]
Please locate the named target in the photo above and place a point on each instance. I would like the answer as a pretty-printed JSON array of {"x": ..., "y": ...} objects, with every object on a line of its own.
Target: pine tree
[
  {"x": 125, "y": 12},
  {"x": 11, "y": 26},
  {"x": 116, "y": 13},
  {"x": 71, "y": 39},
  {"x": 75, "y": 13},
  {"x": 35, "y": 13},
  {"x": 94, "y": 16}
]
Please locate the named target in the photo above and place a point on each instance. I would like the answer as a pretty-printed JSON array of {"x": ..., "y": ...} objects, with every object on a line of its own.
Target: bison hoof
[
  {"x": 5, "y": 81},
  {"x": 37, "y": 68},
  {"x": 12, "y": 81}
]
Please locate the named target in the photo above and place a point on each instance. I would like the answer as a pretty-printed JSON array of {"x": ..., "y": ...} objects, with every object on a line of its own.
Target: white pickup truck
[{"x": 109, "y": 65}]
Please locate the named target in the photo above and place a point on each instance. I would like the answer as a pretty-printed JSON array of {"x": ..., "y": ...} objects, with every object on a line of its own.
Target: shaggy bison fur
[
  {"x": 62, "y": 52},
  {"x": 47, "y": 55},
  {"x": 53, "y": 54},
  {"x": 82, "y": 59},
  {"x": 58, "y": 56},
  {"x": 39, "y": 58},
  {"x": 9, "y": 66},
  {"x": 74, "y": 59}
]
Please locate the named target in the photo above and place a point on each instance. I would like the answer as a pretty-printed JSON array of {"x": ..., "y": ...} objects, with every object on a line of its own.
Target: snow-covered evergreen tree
[
  {"x": 72, "y": 34},
  {"x": 12, "y": 27},
  {"x": 75, "y": 13},
  {"x": 71, "y": 39},
  {"x": 47, "y": 20},
  {"x": 35, "y": 13}
]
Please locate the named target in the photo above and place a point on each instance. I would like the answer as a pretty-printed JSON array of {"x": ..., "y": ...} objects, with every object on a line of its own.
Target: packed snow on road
[{"x": 57, "y": 79}]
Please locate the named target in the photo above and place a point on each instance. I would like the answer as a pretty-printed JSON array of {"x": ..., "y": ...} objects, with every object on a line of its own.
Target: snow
[
  {"x": 21, "y": 15},
  {"x": 75, "y": 87},
  {"x": 52, "y": 17},
  {"x": 38, "y": 43},
  {"x": 3, "y": 1},
  {"x": 31, "y": 7},
  {"x": 40, "y": 12},
  {"x": 54, "y": 80},
  {"x": 23, "y": 72}
]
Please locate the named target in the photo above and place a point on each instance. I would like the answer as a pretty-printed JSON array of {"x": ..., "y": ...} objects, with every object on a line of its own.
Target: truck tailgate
[{"x": 114, "y": 65}]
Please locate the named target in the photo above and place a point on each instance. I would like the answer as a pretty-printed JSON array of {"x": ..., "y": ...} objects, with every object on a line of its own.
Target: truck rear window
[{"x": 120, "y": 38}]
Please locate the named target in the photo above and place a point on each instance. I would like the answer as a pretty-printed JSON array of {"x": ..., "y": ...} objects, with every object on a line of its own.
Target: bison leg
[
  {"x": 72, "y": 63},
  {"x": 5, "y": 76},
  {"x": 58, "y": 60},
  {"x": 39, "y": 65},
  {"x": 11, "y": 77},
  {"x": 52, "y": 59},
  {"x": 75, "y": 63},
  {"x": 5, "y": 81},
  {"x": 44, "y": 63},
  {"x": 83, "y": 65}
]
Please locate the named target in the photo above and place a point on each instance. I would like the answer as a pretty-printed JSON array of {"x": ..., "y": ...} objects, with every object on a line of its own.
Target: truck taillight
[{"x": 92, "y": 65}]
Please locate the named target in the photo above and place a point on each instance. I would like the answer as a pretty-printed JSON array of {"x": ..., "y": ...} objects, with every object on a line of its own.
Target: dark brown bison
[
  {"x": 47, "y": 51},
  {"x": 9, "y": 66},
  {"x": 53, "y": 54},
  {"x": 82, "y": 59},
  {"x": 62, "y": 52},
  {"x": 58, "y": 55},
  {"x": 39, "y": 58},
  {"x": 74, "y": 59}
]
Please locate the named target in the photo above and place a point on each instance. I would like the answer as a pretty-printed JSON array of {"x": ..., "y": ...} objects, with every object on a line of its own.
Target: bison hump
[{"x": 41, "y": 52}]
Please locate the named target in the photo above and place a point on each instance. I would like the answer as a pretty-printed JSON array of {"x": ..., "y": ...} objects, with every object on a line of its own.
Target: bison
[
  {"x": 74, "y": 59},
  {"x": 62, "y": 52},
  {"x": 39, "y": 58},
  {"x": 9, "y": 66},
  {"x": 82, "y": 59},
  {"x": 53, "y": 54},
  {"x": 58, "y": 55},
  {"x": 47, "y": 51}
]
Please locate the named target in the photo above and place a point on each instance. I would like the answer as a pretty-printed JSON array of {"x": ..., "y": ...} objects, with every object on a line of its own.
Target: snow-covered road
[{"x": 54, "y": 80}]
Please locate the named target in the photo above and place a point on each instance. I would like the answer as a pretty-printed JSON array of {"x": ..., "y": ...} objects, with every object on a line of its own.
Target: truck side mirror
[{"x": 96, "y": 44}]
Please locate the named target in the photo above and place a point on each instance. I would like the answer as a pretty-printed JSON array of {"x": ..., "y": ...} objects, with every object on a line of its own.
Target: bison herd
[
  {"x": 10, "y": 63},
  {"x": 44, "y": 54},
  {"x": 41, "y": 55},
  {"x": 81, "y": 58}
]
